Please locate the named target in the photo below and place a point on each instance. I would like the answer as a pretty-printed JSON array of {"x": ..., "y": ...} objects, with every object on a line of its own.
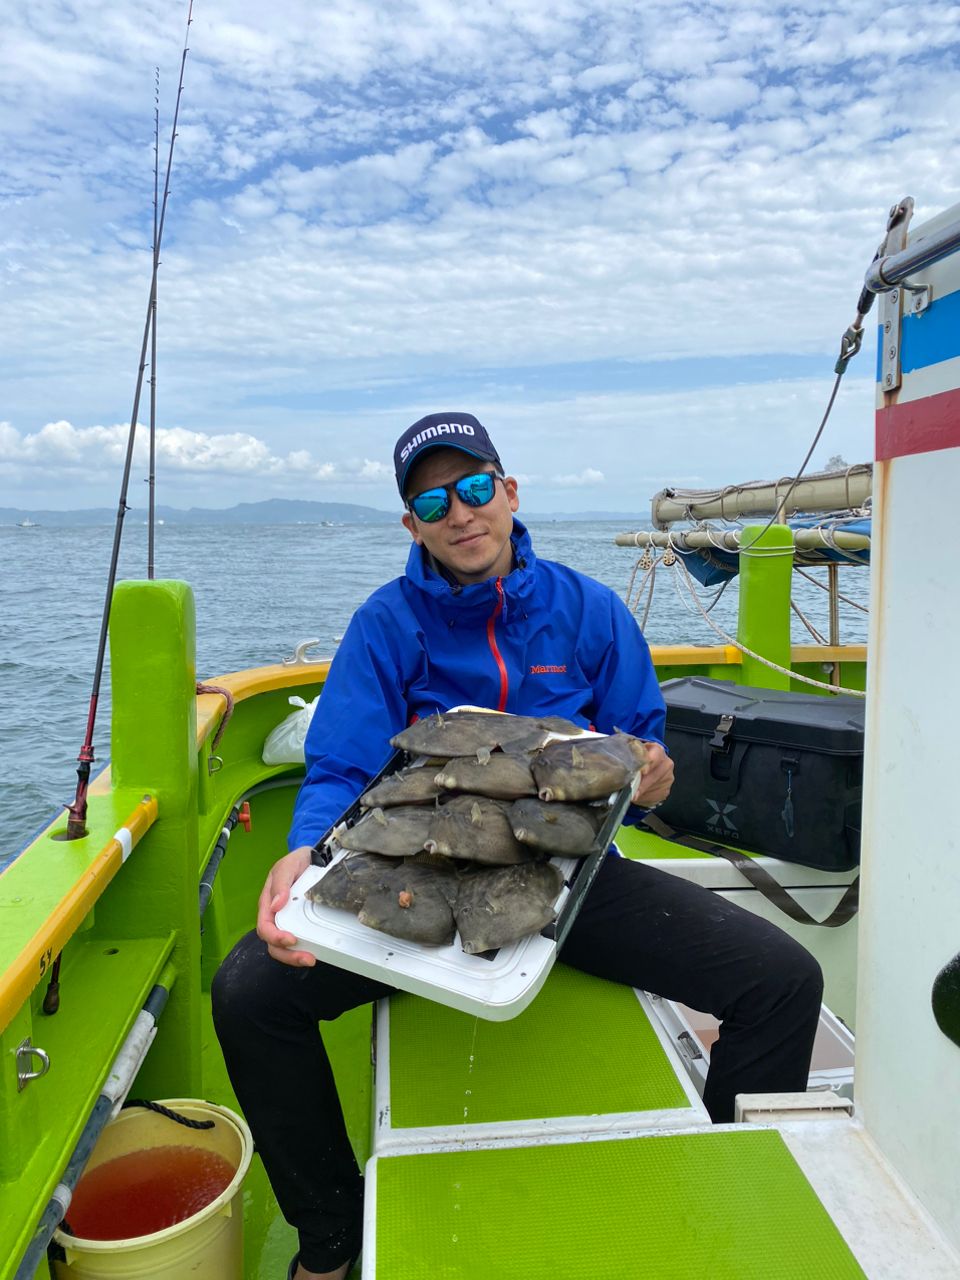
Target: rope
[
  {"x": 653, "y": 580},
  {"x": 823, "y": 587},
  {"x": 224, "y": 693},
  {"x": 723, "y": 587},
  {"x": 643, "y": 563},
  {"x": 807, "y": 623},
  {"x": 827, "y": 536},
  {"x": 171, "y": 1115},
  {"x": 758, "y": 657},
  {"x": 712, "y": 535},
  {"x": 767, "y": 553}
]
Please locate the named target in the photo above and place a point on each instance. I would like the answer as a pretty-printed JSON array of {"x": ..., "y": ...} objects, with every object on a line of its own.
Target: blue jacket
[{"x": 545, "y": 640}]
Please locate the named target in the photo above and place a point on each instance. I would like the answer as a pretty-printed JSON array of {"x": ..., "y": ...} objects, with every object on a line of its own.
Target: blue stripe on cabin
[{"x": 928, "y": 338}]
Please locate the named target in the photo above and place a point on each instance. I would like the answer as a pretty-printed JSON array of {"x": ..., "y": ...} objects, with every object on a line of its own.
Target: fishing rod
[
  {"x": 77, "y": 819},
  {"x": 152, "y": 470},
  {"x": 77, "y": 812}
]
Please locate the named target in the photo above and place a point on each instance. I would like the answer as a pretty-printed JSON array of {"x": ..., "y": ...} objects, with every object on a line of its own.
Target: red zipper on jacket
[{"x": 492, "y": 641}]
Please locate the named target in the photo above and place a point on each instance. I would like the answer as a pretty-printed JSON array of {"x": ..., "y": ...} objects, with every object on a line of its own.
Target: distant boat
[{"x": 27, "y": 524}]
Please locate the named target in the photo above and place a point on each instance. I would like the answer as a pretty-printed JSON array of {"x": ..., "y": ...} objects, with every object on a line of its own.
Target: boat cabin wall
[{"x": 908, "y": 1069}]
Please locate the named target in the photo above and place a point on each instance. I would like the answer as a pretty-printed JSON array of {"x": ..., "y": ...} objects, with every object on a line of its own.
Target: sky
[{"x": 626, "y": 234}]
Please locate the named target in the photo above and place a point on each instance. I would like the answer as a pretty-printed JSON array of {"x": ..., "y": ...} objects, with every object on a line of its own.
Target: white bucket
[{"x": 208, "y": 1244}]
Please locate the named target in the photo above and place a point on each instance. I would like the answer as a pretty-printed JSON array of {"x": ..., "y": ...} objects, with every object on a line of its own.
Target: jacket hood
[{"x": 455, "y": 599}]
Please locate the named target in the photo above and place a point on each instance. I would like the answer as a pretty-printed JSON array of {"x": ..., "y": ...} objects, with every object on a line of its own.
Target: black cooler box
[{"x": 766, "y": 770}]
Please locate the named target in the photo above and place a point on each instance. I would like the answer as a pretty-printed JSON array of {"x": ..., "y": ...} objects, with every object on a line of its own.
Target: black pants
[{"x": 638, "y": 925}]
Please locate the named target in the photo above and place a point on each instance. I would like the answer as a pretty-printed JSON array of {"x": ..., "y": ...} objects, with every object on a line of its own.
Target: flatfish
[
  {"x": 396, "y": 833},
  {"x": 497, "y": 906},
  {"x": 567, "y": 830},
  {"x": 407, "y": 786},
  {"x": 464, "y": 733},
  {"x": 476, "y": 829},
  {"x": 590, "y": 769},
  {"x": 347, "y": 883},
  {"x": 416, "y": 904},
  {"x": 500, "y": 774}
]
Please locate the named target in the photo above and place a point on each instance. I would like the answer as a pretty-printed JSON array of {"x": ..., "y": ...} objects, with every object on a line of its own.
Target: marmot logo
[
  {"x": 441, "y": 429},
  {"x": 548, "y": 669}
]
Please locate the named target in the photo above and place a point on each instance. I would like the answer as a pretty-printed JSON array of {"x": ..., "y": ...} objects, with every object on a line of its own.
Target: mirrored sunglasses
[{"x": 474, "y": 491}]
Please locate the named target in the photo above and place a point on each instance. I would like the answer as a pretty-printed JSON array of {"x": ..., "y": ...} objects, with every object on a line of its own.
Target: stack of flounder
[{"x": 462, "y": 843}]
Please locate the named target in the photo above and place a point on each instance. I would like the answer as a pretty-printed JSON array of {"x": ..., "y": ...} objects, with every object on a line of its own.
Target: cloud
[
  {"x": 717, "y": 95},
  {"x": 425, "y": 192},
  {"x": 602, "y": 77},
  {"x": 621, "y": 444},
  {"x": 588, "y": 477},
  {"x": 64, "y": 449}
]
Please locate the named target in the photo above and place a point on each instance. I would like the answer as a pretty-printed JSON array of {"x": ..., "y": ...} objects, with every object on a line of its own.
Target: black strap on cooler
[{"x": 761, "y": 880}]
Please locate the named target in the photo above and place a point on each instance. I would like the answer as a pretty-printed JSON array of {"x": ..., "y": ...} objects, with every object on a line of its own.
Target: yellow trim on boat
[
  {"x": 828, "y": 653},
  {"x": 39, "y": 953},
  {"x": 247, "y": 684},
  {"x": 694, "y": 655}
]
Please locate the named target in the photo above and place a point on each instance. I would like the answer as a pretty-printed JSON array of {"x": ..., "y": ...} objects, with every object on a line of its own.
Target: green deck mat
[
  {"x": 643, "y": 846},
  {"x": 728, "y": 1206},
  {"x": 583, "y": 1047}
]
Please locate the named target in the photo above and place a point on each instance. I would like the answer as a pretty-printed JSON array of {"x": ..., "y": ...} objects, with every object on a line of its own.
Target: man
[{"x": 478, "y": 619}]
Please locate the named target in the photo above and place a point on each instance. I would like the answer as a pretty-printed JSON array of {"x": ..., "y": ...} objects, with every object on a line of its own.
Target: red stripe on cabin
[{"x": 919, "y": 426}]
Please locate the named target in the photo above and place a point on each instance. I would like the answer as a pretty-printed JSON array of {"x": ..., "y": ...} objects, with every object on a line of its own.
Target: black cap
[{"x": 442, "y": 431}]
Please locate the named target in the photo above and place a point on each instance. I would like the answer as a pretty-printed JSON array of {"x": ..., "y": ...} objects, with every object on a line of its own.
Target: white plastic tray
[{"x": 496, "y": 989}]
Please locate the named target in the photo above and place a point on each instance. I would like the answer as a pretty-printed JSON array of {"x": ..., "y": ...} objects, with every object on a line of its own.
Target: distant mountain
[
  {"x": 273, "y": 511},
  {"x": 280, "y": 511},
  {"x": 636, "y": 519}
]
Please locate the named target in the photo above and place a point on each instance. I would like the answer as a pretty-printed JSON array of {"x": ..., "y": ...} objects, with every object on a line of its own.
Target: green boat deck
[
  {"x": 724, "y": 1203},
  {"x": 728, "y": 1205},
  {"x": 584, "y": 1047}
]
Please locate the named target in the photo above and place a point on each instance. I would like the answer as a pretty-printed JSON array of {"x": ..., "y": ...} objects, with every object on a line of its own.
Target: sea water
[{"x": 260, "y": 589}]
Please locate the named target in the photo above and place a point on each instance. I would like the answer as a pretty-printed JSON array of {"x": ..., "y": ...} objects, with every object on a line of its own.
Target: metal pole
[
  {"x": 833, "y": 580},
  {"x": 892, "y": 270},
  {"x": 729, "y": 539}
]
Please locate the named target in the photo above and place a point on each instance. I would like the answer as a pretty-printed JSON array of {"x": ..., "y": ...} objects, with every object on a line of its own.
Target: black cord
[
  {"x": 718, "y": 595},
  {"x": 803, "y": 466},
  {"x": 171, "y": 1115}
]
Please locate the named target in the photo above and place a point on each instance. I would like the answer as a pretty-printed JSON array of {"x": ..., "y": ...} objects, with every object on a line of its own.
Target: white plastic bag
[{"x": 284, "y": 744}]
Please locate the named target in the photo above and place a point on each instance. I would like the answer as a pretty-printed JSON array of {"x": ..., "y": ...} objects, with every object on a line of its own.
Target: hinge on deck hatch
[{"x": 689, "y": 1046}]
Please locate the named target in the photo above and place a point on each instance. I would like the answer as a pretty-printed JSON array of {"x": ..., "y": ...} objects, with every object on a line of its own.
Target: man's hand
[
  {"x": 275, "y": 894},
  {"x": 656, "y": 777}
]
